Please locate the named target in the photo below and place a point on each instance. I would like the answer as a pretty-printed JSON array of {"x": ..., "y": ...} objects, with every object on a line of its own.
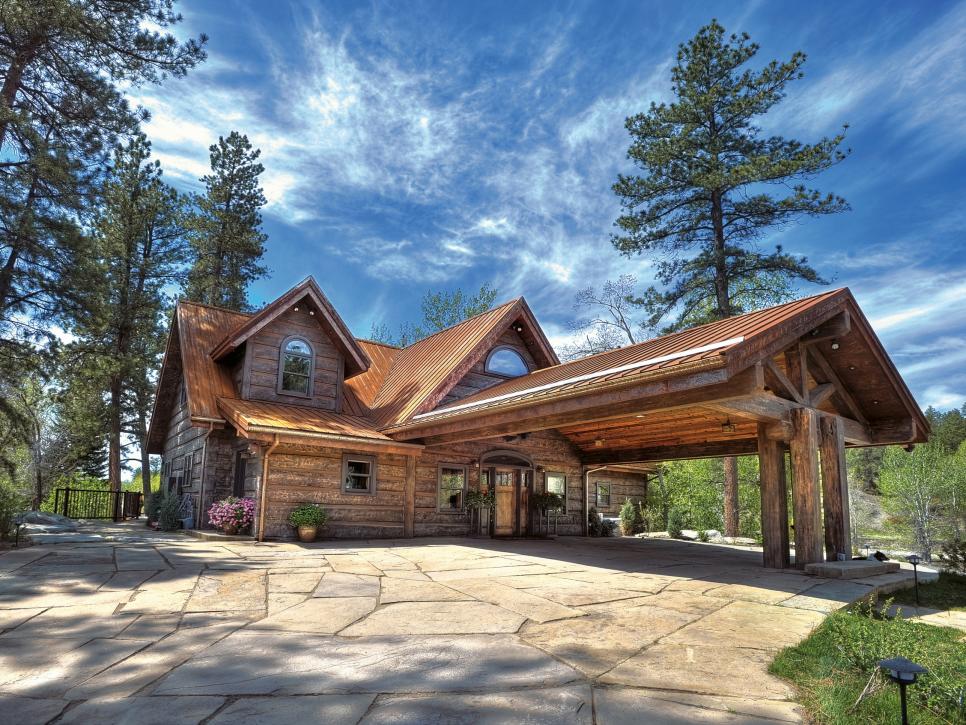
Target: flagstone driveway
[{"x": 150, "y": 629}]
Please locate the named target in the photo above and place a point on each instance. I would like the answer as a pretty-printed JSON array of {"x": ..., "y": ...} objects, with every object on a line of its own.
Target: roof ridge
[
  {"x": 184, "y": 301},
  {"x": 461, "y": 322},
  {"x": 380, "y": 343}
]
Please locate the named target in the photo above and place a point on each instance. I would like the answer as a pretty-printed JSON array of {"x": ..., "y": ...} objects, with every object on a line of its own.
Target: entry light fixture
[
  {"x": 903, "y": 672},
  {"x": 835, "y": 346},
  {"x": 728, "y": 426}
]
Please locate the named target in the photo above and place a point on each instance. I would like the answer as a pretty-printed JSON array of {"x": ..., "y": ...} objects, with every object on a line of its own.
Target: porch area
[{"x": 141, "y": 625}]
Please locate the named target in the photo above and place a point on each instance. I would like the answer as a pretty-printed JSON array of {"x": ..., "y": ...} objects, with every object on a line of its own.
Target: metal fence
[{"x": 80, "y": 503}]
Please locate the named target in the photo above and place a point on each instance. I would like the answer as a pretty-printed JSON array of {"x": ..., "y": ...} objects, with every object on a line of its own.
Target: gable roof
[
  {"x": 193, "y": 328},
  {"x": 733, "y": 344},
  {"x": 422, "y": 373},
  {"x": 356, "y": 360}
]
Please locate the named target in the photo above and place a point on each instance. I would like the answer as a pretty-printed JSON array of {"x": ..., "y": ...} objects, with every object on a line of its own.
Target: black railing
[{"x": 82, "y": 503}]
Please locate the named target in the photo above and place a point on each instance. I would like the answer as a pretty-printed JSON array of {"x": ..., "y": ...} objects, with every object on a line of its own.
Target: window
[
  {"x": 507, "y": 362},
  {"x": 295, "y": 368},
  {"x": 451, "y": 485},
  {"x": 358, "y": 474},
  {"x": 557, "y": 483},
  {"x": 603, "y": 495}
]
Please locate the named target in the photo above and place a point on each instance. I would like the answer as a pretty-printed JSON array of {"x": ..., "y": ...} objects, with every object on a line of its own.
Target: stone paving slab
[
  {"x": 143, "y": 711},
  {"x": 702, "y": 670},
  {"x": 285, "y": 663},
  {"x": 748, "y": 624},
  {"x": 570, "y": 705},
  {"x": 829, "y": 596},
  {"x": 288, "y": 710},
  {"x": 633, "y": 707},
  {"x": 318, "y": 615},
  {"x": 30, "y": 709},
  {"x": 340, "y": 584},
  {"x": 407, "y": 590},
  {"x": 83, "y": 622},
  {"x": 437, "y": 618}
]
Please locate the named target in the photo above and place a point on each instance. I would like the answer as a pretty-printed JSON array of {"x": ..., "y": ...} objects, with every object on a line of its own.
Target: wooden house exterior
[{"x": 286, "y": 406}]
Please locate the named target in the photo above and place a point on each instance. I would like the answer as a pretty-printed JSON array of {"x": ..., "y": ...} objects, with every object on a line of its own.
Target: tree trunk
[
  {"x": 145, "y": 456},
  {"x": 13, "y": 77},
  {"x": 114, "y": 442},
  {"x": 731, "y": 506},
  {"x": 721, "y": 291}
]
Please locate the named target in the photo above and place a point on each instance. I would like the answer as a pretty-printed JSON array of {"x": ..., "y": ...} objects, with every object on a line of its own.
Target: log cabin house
[{"x": 287, "y": 406}]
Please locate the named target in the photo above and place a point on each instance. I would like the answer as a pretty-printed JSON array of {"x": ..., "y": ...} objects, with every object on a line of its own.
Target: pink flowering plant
[{"x": 232, "y": 513}]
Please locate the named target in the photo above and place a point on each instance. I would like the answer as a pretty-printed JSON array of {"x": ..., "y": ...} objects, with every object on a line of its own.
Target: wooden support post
[
  {"x": 409, "y": 512},
  {"x": 805, "y": 488},
  {"x": 835, "y": 487},
  {"x": 774, "y": 500}
]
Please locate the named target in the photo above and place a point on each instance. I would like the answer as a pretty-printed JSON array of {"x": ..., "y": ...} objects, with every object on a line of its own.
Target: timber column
[
  {"x": 835, "y": 488},
  {"x": 774, "y": 500},
  {"x": 806, "y": 497}
]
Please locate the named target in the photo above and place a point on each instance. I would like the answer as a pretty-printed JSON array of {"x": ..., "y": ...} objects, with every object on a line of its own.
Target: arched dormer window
[
  {"x": 295, "y": 368},
  {"x": 507, "y": 362}
]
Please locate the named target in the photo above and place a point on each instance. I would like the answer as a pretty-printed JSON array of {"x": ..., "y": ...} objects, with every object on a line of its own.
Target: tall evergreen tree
[
  {"x": 700, "y": 205},
  {"x": 141, "y": 249},
  {"x": 226, "y": 229},
  {"x": 60, "y": 111}
]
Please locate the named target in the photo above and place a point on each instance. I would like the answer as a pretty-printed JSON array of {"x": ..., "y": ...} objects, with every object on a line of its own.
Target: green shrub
[
  {"x": 169, "y": 516},
  {"x": 594, "y": 522},
  {"x": 703, "y": 536},
  {"x": 12, "y": 502},
  {"x": 630, "y": 516},
  {"x": 953, "y": 556},
  {"x": 607, "y": 527},
  {"x": 309, "y": 514},
  {"x": 651, "y": 518},
  {"x": 547, "y": 501},
  {"x": 675, "y": 522},
  {"x": 480, "y": 499}
]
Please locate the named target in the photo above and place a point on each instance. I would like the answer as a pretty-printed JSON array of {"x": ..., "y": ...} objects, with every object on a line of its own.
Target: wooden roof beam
[
  {"x": 775, "y": 412},
  {"x": 741, "y": 447},
  {"x": 779, "y": 382},
  {"x": 823, "y": 373},
  {"x": 666, "y": 394},
  {"x": 834, "y": 328}
]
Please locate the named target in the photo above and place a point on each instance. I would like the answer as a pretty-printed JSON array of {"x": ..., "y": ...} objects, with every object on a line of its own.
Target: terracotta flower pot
[{"x": 308, "y": 533}]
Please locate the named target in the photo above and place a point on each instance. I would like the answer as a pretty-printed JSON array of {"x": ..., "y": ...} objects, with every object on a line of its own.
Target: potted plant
[
  {"x": 232, "y": 515},
  {"x": 540, "y": 504},
  {"x": 308, "y": 519},
  {"x": 480, "y": 503}
]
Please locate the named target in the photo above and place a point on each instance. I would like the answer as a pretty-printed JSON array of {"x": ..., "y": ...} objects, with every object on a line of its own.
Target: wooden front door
[{"x": 505, "y": 491}]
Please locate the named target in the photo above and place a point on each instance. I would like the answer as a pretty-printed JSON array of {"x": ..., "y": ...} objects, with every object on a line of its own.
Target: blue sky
[{"x": 414, "y": 146}]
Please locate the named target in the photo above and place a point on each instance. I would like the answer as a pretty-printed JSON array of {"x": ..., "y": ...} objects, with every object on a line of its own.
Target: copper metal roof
[
  {"x": 705, "y": 346},
  {"x": 248, "y": 415},
  {"x": 199, "y": 326}
]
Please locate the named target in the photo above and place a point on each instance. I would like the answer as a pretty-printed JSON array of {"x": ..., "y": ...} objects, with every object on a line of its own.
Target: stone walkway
[{"x": 143, "y": 628}]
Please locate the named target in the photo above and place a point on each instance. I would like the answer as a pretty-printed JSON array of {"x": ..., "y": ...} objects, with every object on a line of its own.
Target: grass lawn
[
  {"x": 832, "y": 667},
  {"x": 948, "y": 592}
]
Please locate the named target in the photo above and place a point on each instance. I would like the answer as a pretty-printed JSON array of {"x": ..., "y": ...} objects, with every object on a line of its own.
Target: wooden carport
[{"x": 809, "y": 378}]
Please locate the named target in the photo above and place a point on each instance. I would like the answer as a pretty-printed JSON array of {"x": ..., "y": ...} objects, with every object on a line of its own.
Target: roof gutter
[
  {"x": 264, "y": 492},
  {"x": 335, "y": 438}
]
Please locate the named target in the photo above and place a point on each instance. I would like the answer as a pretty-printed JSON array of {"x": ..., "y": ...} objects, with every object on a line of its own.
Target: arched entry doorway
[{"x": 510, "y": 475}]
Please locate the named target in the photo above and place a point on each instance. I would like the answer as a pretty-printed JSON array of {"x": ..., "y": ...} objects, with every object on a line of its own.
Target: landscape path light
[
  {"x": 914, "y": 560},
  {"x": 903, "y": 672}
]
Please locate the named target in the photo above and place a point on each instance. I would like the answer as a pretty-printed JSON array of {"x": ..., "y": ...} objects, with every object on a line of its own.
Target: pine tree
[
  {"x": 141, "y": 252},
  {"x": 60, "y": 111},
  {"x": 226, "y": 228},
  {"x": 701, "y": 204}
]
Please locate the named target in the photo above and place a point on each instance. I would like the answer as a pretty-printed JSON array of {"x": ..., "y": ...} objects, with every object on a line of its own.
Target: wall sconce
[
  {"x": 728, "y": 426},
  {"x": 835, "y": 345}
]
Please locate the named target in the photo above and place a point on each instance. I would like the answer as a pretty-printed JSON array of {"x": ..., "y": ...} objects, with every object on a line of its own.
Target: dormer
[{"x": 296, "y": 351}]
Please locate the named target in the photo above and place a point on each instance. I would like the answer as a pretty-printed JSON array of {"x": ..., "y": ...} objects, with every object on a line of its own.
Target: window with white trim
[
  {"x": 557, "y": 483},
  {"x": 295, "y": 367},
  {"x": 358, "y": 474},
  {"x": 450, "y": 488},
  {"x": 603, "y": 494}
]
